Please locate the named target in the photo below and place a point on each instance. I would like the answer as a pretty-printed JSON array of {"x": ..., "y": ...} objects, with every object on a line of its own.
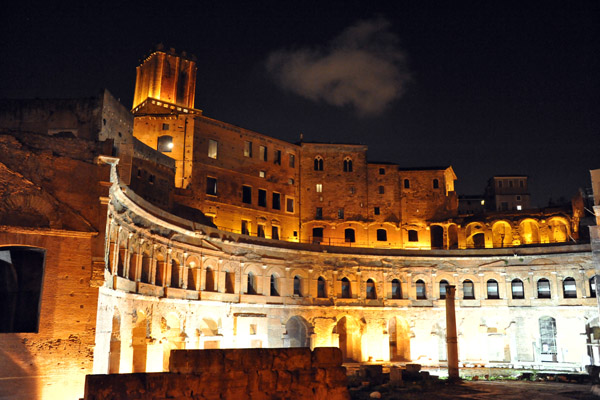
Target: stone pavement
[{"x": 484, "y": 390}]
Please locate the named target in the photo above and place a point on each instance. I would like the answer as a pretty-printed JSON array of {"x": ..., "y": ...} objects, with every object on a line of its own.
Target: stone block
[
  {"x": 395, "y": 375},
  {"x": 196, "y": 361},
  {"x": 371, "y": 373},
  {"x": 267, "y": 380},
  {"x": 284, "y": 381},
  {"x": 336, "y": 376},
  {"x": 291, "y": 359},
  {"x": 326, "y": 357}
]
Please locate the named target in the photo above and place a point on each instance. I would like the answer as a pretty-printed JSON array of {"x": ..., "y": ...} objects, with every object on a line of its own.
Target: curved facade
[{"x": 172, "y": 283}]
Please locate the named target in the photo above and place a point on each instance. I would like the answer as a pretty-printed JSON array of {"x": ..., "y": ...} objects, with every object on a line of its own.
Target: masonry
[{"x": 232, "y": 374}]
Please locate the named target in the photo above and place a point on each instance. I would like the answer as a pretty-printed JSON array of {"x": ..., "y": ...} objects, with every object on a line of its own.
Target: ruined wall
[
  {"x": 225, "y": 292},
  {"x": 53, "y": 361},
  {"x": 233, "y": 374}
]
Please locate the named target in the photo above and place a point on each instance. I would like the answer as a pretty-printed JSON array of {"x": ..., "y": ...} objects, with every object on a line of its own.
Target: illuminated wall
[{"x": 217, "y": 291}]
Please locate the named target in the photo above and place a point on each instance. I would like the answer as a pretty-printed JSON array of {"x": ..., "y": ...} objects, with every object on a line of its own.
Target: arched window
[
  {"x": 251, "y": 288},
  {"x": 421, "y": 292},
  {"x": 592, "y": 286},
  {"x": 347, "y": 164},
  {"x": 468, "y": 290},
  {"x": 569, "y": 288},
  {"x": 321, "y": 289},
  {"x": 381, "y": 235},
  {"x": 543, "y": 288},
  {"x": 229, "y": 282},
  {"x": 443, "y": 284},
  {"x": 516, "y": 287},
  {"x": 349, "y": 235},
  {"x": 318, "y": 163},
  {"x": 371, "y": 290},
  {"x": 210, "y": 280},
  {"x": 297, "y": 286},
  {"x": 346, "y": 294},
  {"x": 492, "y": 289},
  {"x": 396, "y": 289},
  {"x": 274, "y": 290}
]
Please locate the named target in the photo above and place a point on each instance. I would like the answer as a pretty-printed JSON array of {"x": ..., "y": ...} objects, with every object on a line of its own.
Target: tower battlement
[{"x": 167, "y": 76}]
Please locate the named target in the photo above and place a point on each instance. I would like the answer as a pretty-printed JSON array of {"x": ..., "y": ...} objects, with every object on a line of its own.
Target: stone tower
[{"x": 166, "y": 76}]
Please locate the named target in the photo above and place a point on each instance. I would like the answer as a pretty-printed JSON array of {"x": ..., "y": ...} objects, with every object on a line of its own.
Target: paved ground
[{"x": 486, "y": 390}]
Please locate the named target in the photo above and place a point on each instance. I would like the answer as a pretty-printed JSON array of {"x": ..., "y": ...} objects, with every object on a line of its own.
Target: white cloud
[{"x": 363, "y": 67}]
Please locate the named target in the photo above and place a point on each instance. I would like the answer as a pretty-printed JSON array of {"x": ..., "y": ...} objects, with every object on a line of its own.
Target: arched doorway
[
  {"x": 348, "y": 331},
  {"x": 452, "y": 237},
  {"x": 437, "y": 237},
  {"x": 114, "y": 356},
  {"x": 297, "y": 333},
  {"x": 138, "y": 342},
  {"x": 399, "y": 333}
]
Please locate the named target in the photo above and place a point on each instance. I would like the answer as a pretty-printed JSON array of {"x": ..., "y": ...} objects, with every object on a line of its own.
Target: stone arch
[
  {"x": 437, "y": 236},
  {"x": 251, "y": 278},
  {"x": 502, "y": 234},
  {"x": 210, "y": 267},
  {"x": 114, "y": 356},
  {"x": 558, "y": 230},
  {"x": 475, "y": 235},
  {"x": 160, "y": 256},
  {"x": 298, "y": 332},
  {"x": 349, "y": 338},
  {"x": 399, "y": 333},
  {"x": 175, "y": 273},
  {"x": 529, "y": 231},
  {"x": 371, "y": 289},
  {"x": 452, "y": 236},
  {"x": 192, "y": 263},
  {"x": 146, "y": 273},
  {"x": 173, "y": 336},
  {"x": 139, "y": 335},
  {"x": 228, "y": 272}
]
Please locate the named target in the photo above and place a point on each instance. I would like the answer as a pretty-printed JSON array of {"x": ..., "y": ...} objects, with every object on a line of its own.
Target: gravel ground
[{"x": 479, "y": 390}]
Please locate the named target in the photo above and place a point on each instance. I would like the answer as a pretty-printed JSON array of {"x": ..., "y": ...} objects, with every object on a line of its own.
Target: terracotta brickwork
[{"x": 232, "y": 374}]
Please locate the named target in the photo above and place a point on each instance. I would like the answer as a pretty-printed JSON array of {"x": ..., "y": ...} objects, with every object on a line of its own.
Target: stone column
[{"x": 451, "y": 338}]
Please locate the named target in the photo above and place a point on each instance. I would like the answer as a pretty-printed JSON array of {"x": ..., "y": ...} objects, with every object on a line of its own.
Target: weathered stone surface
[{"x": 326, "y": 357}]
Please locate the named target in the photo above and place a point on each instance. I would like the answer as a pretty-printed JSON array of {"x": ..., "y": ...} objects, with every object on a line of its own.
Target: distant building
[
  {"x": 508, "y": 193},
  {"x": 471, "y": 204}
]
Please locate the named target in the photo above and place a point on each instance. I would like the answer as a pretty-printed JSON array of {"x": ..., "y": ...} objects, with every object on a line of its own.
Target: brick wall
[{"x": 291, "y": 373}]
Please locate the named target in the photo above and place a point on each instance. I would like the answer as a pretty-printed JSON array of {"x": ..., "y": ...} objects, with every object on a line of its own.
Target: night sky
[{"x": 489, "y": 87}]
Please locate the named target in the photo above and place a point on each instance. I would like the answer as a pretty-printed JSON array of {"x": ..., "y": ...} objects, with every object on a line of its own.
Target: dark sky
[{"x": 489, "y": 87}]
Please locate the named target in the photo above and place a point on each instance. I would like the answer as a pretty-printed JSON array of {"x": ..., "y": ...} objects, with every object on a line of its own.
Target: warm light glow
[{"x": 170, "y": 146}]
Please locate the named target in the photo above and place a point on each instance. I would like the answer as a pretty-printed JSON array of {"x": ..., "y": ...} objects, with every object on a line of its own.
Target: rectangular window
[
  {"x": 212, "y": 148},
  {"x": 381, "y": 235},
  {"x": 510, "y": 183},
  {"x": 275, "y": 232},
  {"x": 248, "y": 149},
  {"x": 291, "y": 181},
  {"x": 292, "y": 161},
  {"x": 247, "y": 194},
  {"x": 413, "y": 236},
  {"x": 521, "y": 183},
  {"x": 262, "y": 197},
  {"x": 289, "y": 204},
  {"x": 352, "y": 190},
  {"x": 262, "y": 174},
  {"x": 211, "y": 186},
  {"x": 319, "y": 188},
  {"x": 381, "y": 190},
  {"x": 262, "y": 153},
  {"x": 276, "y": 201},
  {"x": 165, "y": 127},
  {"x": 277, "y": 157},
  {"x": 381, "y": 171},
  {"x": 319, "y": 213},
  {"x": 340, "y": 213},
  {"x": 260, "y": 232},
  {"x": 245, "y": 227},
  {"x": 376, "y": 211}
]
